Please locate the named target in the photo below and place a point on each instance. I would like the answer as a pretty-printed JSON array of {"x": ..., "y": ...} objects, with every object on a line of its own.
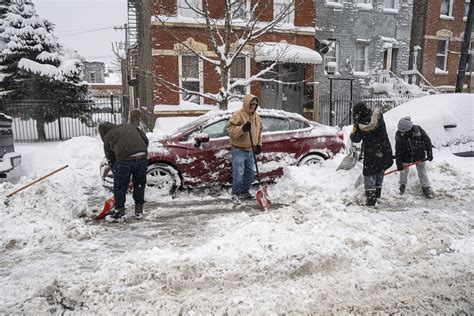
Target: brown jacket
[{"x": 238, "y": 137}]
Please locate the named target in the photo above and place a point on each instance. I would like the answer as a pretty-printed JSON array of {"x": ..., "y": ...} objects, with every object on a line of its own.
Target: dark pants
[{"x": 124, "y": 170}]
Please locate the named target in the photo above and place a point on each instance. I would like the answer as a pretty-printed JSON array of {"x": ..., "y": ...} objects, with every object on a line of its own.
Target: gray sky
[{"x": 77, "y": 22}]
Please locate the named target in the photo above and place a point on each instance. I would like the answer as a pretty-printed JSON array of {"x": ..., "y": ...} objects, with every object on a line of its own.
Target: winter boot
[
  {"x": 371, "y": 197},
  {"x": 402, "y": 188},
  {"x": 378, "y": 192},
  {"x": 235, "y": 199},
  {"x": 246, "y": 196},
  {"x": 427, "y": 192},
  {"x": 138, "y": 211},
  {"x": 117, "y": 216}
]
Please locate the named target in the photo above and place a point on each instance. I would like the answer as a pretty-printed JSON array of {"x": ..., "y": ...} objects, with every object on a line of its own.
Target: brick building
[
  {"x": 359, "y": 38},
  {"x": 172, "y": 22},
  {"x": 438, "y": 29}
]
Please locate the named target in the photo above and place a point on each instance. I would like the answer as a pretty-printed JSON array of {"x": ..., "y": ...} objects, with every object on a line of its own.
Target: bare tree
[{"x": 232, "y": 35}]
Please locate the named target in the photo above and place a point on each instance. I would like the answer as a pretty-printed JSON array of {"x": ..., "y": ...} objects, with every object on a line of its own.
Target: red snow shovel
[
  {"x": 262, "y": 196},
  {"x": 404, "y": 167},
  {"x": 108, "y": 206}
]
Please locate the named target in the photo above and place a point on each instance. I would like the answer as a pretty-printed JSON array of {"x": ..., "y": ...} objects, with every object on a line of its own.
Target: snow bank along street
[{"x": 318, "y": 251}]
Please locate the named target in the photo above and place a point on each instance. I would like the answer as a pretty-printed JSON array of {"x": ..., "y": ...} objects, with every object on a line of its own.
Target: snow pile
[{"x": 316, "y": 251}]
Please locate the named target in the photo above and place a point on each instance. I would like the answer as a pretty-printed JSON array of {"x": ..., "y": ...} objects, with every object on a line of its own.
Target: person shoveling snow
[{"x": 126, "y": 148}]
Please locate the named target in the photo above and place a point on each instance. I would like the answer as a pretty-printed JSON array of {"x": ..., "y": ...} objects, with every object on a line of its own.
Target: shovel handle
[
  {"x": 37, "y": 180},
  {"x": 404, "y": 167}
]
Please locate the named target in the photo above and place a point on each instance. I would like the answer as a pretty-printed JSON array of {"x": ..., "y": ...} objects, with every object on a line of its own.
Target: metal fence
[
  {"x": 337, "y": 110},
  {"x": 44, "y": 120}
]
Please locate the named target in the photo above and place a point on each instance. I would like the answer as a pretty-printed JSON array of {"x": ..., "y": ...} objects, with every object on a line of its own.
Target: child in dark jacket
[{"x": 413, "y": 144}]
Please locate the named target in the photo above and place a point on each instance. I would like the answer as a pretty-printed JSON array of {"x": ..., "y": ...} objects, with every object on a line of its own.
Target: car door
[
  {"x": 209, "y": 162},
  {"x": 279, "y": 147}
]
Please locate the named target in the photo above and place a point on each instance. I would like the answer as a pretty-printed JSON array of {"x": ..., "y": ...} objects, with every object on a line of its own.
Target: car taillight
[{"x": 340, "y": 135}]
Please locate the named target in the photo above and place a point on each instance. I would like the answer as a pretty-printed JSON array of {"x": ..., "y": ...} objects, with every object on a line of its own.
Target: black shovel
[{"x": 262, "y": 196}]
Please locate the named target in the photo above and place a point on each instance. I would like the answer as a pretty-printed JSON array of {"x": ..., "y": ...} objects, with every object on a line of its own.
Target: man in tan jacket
[{"x": 242, "y": 123}]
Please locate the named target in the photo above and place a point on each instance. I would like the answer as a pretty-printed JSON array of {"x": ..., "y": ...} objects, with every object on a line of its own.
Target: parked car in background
[
  {"x": 448, "y": 119},
  {"x": 198, "y": 154},
  {"x": 8, "y": 158}
]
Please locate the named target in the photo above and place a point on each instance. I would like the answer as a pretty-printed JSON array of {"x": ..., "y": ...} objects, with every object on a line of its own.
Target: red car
[{"x": 198, "y": 154}]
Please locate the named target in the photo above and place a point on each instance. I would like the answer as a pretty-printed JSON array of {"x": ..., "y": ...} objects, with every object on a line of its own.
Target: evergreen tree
[{"x": 35, "y": 66}]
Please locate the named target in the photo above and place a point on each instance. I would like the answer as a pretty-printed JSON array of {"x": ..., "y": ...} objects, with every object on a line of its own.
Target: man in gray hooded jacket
[{"x": 125, "y": 147}]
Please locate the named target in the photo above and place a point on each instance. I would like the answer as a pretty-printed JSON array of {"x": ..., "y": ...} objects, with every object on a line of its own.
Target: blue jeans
[
  {"x": 373, "y": 181},
  {"x": 242, "y": 170},
  {"x": 124, "y": 170}
]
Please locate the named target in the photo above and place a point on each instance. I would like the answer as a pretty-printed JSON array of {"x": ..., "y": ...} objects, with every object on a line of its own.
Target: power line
[{"x": 84, "y": 32}]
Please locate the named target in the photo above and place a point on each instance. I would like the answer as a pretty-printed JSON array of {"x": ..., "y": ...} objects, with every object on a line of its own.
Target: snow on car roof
[{"x": 446, "y": 118}]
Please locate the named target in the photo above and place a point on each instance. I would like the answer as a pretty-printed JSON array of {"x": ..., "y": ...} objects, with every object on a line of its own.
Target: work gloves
[
  {"x": 258, "y": 150},
  {"x": 399, "y": 167},
  {"x": 430, "y": 157},
  {"x": 246, "y": 127}
]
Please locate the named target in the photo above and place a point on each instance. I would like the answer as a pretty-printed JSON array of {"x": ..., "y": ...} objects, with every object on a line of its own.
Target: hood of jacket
[
  {"x": 246, "y": 103},
  {"x": 104, "y": 128}
]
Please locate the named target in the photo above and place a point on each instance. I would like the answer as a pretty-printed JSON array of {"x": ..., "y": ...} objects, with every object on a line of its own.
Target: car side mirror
[{"x": 200, "y": 138}]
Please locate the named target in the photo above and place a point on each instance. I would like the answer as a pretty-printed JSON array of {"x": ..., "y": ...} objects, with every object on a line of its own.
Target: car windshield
[{"x": 185, "y": 127}]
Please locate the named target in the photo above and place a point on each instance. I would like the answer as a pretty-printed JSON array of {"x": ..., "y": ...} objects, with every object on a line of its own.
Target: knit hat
[{"x": 405, "y": 124}]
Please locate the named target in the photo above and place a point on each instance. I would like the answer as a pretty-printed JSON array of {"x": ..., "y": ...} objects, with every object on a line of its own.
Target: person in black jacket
[
  {"x": 126, "y": 148},
  {"x": 413, "y": 144},
  {"x": 369, "y": 127}
]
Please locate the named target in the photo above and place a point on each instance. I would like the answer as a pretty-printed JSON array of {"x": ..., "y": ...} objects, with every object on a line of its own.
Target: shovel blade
[
  {"x": 108, "y": 206},
  {"x": 263, "y": 199},
  {"x": 349, "y": 161}
]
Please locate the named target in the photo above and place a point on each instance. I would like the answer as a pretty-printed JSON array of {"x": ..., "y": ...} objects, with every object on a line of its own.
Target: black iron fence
[
  {"x": 336, "y": 110},
  {"x": 44, "y": 120}
]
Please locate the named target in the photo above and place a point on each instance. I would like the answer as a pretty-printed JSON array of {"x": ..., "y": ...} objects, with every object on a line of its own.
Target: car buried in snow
[
  {"x": 9, "y": 159},
  {"x": 198, "y": 154}
]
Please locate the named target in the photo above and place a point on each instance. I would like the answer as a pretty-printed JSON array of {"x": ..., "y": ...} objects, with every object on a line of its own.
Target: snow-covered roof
[{"x": 284, "y": 52}]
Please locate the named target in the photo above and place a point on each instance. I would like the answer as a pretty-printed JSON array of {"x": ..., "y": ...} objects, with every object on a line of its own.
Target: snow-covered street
[{"x": 317, "y": 251}]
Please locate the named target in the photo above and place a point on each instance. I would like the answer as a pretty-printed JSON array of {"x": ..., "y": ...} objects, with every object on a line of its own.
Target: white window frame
[
  {"x": 466, "y": 2},
  {"x": 334, "y": 3},
  {"x": 246, "y": 11},
  {"x": 366, "y": 57},
  {"x": 92, "y": 77},
  {"x": 364, "y": 4},
  {"x": 247, "y": 74},
  {"x": 336, "y": 55},
  {"x": 282, "y": 3},
  {"x": 446, "y": 51},
  {"x": 201, "y": 79},
  {"x": 448, "y": 16},
  {"x": 182, "y": 9},
  {"x": 394, "y": 8}
]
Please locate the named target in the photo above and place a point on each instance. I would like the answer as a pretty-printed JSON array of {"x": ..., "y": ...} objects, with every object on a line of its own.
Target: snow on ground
[{"x": 316, "y": 251}]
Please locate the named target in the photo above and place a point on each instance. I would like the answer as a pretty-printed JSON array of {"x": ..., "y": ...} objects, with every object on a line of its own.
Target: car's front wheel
[
  {"x": 163, "y": 178},
  {"x": 311, "y": 160}
]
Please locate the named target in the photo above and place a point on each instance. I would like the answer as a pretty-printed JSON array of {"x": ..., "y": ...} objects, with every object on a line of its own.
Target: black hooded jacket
[
  {"x": 412, "y": 146},
  {"x": 122, "y": 141},
  {"x": 369, "y": 127}
]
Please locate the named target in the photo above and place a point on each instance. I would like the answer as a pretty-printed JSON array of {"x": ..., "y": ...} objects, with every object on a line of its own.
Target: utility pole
[
  {"x": 127, "y": 84},
  {"x": 465, "y": 50}
]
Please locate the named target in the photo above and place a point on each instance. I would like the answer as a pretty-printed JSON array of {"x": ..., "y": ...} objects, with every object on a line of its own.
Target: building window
[
  {"x": 442, "y": 55},
  {"x": 361, "y": 57},
  {"x": 286, "y": 6},
  {"x": 446, "y": 8},
  {"x": 364, "y": 1},
  {"x": 92, "y": 78},
  {"x": 331, "y": 57},
  {"x": 466, "y": 8},
  {"x": 390, "y": 4},
  {"x": 186, "y": 8},
  {"x": 238, "y": 71},
  {"x": 238, "y": 9},
  {"x": 334, "y": 1},
  {"x": 190, "y": 77}
]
